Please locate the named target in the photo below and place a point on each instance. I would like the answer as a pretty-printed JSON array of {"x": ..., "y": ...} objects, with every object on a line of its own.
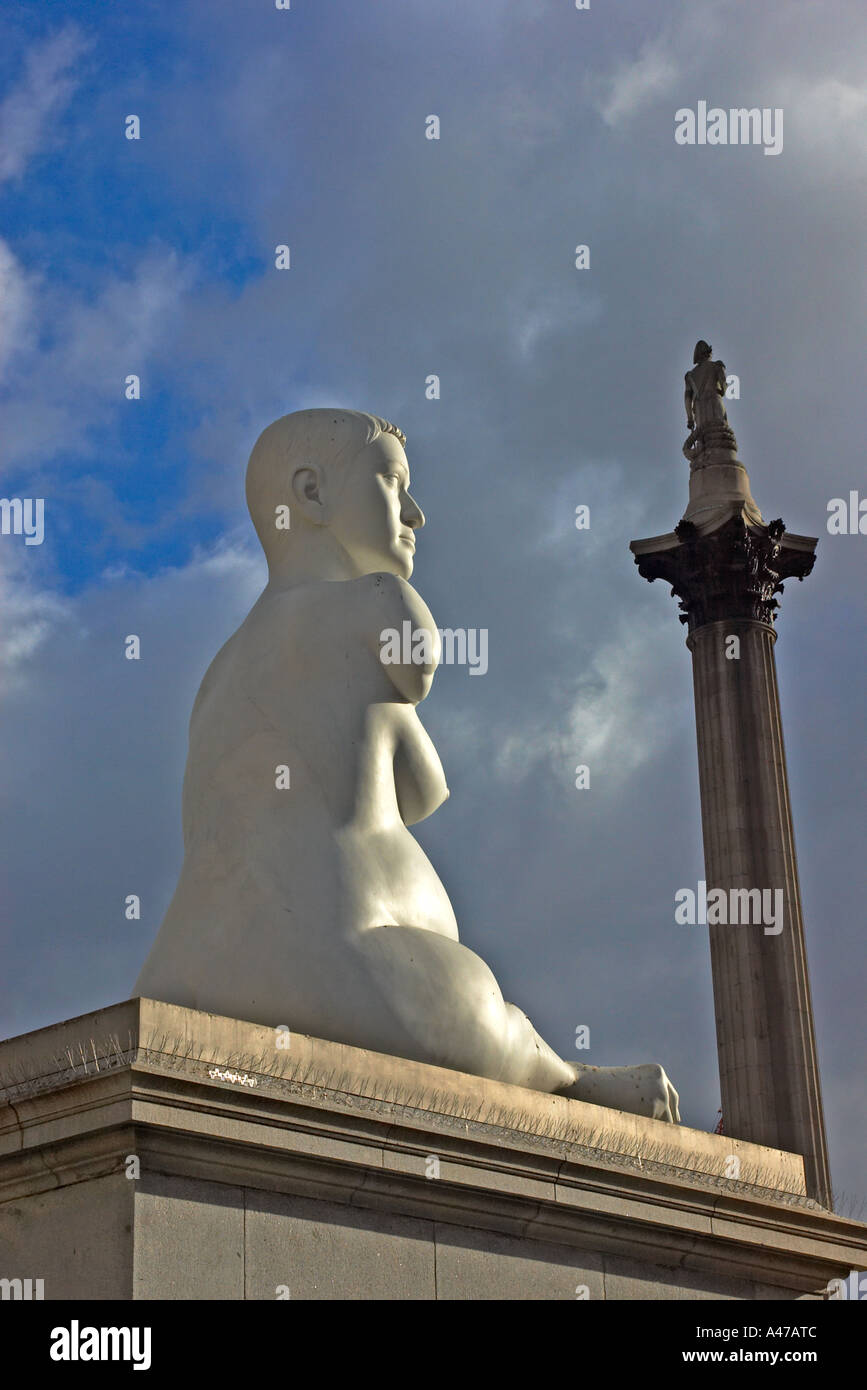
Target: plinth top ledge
[{"x": 253, "y": 1061}]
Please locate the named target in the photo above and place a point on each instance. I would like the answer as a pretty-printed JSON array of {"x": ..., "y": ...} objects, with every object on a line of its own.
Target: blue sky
[{"x": 559, "y": 387}]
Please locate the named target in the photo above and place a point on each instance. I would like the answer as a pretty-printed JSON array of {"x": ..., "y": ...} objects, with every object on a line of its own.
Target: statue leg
[
  {"x": 642, "y": 1090},
  {"x": 428, "y": 997},
  {"x": 431, "y": 999}
]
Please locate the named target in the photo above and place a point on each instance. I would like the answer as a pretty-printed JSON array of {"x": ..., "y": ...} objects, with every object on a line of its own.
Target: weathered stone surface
[
  {"x": 189, "y": 1238},
  {"x": 77, "y": 1238},
  {"x": 302, "y": 1248},
  {"x": 477, "y": 1265}
]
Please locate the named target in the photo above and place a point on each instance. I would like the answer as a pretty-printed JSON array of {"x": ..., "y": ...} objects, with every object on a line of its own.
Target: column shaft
[{"x": 767, "y": 1053}]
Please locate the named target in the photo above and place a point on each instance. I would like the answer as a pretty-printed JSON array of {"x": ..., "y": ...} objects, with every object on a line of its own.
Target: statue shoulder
[
  {"x": 362, "y": 605},
  {"x": 388, "y": 600},
  {"x": 362, "y": 613}
]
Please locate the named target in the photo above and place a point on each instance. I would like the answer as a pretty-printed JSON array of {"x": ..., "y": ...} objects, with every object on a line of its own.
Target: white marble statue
[{"x": 304, "y": 900}]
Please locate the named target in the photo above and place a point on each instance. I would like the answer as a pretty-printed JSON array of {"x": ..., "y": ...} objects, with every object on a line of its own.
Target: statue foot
[{"x": 641, "y": 1090}]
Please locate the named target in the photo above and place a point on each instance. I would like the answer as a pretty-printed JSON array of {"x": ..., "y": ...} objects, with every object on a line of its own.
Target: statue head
[
  {"x": 333, "y": 485},
  {"x": 703, "y": 350}
]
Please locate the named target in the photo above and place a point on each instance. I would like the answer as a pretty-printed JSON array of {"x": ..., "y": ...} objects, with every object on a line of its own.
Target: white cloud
[
  {"x": 119, "y": 331},
  {"x": 536, "y": 316},
  {"x": 30, "y": 617},
  {"x": 611, "y": 722},
  {"x": 16, "y": 306},
  {"x": 28, "y": 113},
  {"x": 637, "y": 84},
  {"x": 53, "y": 397},
  {"x": 827, "y": 118},
  {"x": 33, "y": 616}
]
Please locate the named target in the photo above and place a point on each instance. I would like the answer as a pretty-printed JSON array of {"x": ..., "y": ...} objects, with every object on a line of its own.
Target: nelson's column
[{"x": 725, "y": 565}]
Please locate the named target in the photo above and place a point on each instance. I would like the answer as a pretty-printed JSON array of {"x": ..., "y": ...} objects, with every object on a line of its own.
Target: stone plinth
[{"x": 152, "y": 1152}]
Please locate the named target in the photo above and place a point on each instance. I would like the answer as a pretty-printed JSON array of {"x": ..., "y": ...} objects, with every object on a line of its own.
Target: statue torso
[{"x": 299, "y": 687}]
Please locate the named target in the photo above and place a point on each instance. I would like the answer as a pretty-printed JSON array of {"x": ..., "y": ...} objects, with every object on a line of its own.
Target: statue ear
[{"x": 307, "y": 489}]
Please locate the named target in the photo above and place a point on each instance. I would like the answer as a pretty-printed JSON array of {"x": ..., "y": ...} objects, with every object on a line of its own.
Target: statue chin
[{"x": 304, "y": 899}]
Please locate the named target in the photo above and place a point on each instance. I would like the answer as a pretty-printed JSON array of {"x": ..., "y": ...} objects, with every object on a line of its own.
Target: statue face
[{"x": 374, "y": 517}]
